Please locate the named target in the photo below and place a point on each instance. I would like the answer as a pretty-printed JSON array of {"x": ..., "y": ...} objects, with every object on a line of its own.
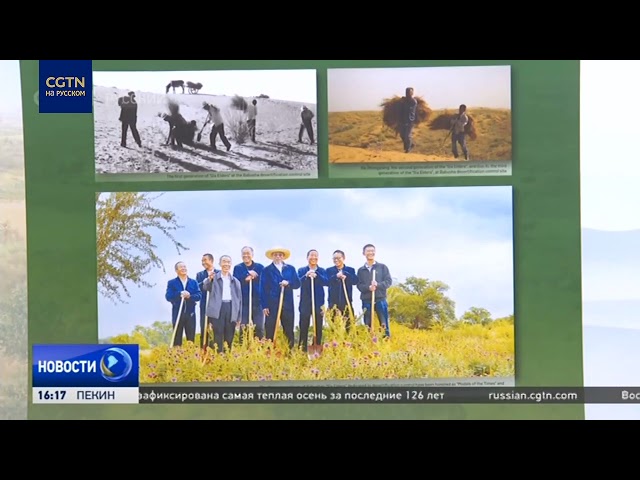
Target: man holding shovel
[
  {"x": 313, "y": 279},
  {"x": 207, "y": 263},
  {"x": 341, "y": 282},
  {"x": 277, "y": 283},
  {"x": 183, "y": 293},
  {"x": 248, "y": 273},
  {"x": 225, "y": 304},
  {"x": 215, "y": 118},
  {"x": 373, "y": 281}
]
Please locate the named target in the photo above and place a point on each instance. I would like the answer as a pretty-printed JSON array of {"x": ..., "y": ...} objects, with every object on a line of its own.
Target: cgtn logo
[
  {"x": 66, "y": 86},
  {"x": 85, "y": 373}
]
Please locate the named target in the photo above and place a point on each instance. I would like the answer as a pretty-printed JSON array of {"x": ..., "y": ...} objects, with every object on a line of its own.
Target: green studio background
[{"x": 60, "y": 202}]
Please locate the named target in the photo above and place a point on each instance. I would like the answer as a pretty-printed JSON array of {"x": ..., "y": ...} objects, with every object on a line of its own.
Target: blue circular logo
[{"x": 115, "y": 365}]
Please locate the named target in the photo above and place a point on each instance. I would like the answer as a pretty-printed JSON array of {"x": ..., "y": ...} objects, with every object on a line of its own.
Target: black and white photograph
[{"x": 241, "y": 123}]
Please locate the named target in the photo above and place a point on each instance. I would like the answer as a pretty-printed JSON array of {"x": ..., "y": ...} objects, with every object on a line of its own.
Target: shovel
[
  {"x": 175, "y": 328},
  {"x": 315, "y": 348},
  {"x": 204, "y": 333},
  {"x": 275, "y": 333},
  {"x": 201, "y": 130},
  {"x": 346, "y": 297},
  {"x": 373, "y": 301}
]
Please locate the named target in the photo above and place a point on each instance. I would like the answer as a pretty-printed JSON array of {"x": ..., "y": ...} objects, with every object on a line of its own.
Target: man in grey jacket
[{"x": 225, "y": 303}]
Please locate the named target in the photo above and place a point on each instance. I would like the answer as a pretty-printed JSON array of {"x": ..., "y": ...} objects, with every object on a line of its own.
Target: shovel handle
[
  {"x": 313, "y": 311},
  {"x": 373, "y": 298},
  {"x": 251, "y": 302},
  {"x": 175, "y": 327},
  {"x": 346, "y": 297},
  {"x": 275, "y": 333}
]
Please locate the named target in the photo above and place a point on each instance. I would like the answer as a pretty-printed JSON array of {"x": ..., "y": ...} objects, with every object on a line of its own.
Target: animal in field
[
  {"x": 175, "y": 84},
  {"x": 180, "y": 131},
  {"x": 194, "y": 87}
]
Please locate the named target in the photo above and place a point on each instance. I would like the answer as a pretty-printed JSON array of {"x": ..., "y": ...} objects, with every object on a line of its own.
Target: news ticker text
[{"x": 337, "y": 395}]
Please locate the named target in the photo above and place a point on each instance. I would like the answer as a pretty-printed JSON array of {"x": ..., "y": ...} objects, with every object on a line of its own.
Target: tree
[
  {"x": 421, "y": 303},
  {"x": 476, "y": 316},
  {"x": 126, "y": 252}
]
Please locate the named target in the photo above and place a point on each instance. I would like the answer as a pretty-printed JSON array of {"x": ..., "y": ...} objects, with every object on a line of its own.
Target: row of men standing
[{"x": 251, "y": 292}]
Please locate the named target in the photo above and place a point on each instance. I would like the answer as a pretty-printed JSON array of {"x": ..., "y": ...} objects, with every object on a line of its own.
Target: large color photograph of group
[{"x": 315, "y": 284}]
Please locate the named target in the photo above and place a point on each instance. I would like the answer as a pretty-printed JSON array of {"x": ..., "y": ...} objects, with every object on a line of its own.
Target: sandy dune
[
  {"x": 342, "y": 154},
  {"x": 276, "y": 148}
]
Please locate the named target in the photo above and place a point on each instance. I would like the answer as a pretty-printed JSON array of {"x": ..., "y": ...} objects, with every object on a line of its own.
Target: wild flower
[{"x": 460, "y": 351}]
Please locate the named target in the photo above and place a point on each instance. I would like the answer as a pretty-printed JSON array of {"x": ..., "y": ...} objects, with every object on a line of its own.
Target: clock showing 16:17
[{"x": 53, "y": 395}]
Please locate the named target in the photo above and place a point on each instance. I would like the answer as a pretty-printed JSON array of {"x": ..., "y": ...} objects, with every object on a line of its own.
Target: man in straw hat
[
  {"x": 342, "y": 279},
  {"x": 373, "y": 281},
  {"x": 183, "y": 291},
  {"x": 215, "y": 118},
  {"x": 279, "y": 277},
  {"x": 249, "y": 273},
  {"x": 320, "y": 280}
]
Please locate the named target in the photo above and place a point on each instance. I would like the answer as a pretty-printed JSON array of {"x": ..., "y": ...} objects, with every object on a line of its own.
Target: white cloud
[{"x": 413, "y": 204}]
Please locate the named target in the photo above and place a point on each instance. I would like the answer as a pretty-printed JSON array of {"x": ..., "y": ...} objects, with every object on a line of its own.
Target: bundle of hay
[
  {"x": 392, "y": 112},
  {"x": 443, "y": 122},
  {"x": 239, "y": 103}
]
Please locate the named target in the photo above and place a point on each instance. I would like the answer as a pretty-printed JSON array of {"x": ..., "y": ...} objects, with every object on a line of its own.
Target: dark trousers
[
  {"x": 251, "y": 124},
  {"x": 459, "y": 138},
  {"x": 286, "y": 321},
  {"x": 219, "y": 130},
  {"x": 257, "y": 317},
  {"x": 126, "y": 125},
  {"x": 306, "y": 125},
  {"x": 382, "y": 311},
  {"x": 187, "y": 327},
  {"x": 407, "y": 137},
  {"x": 305, "y": 323},
  {"x": 223, "y": 328}
]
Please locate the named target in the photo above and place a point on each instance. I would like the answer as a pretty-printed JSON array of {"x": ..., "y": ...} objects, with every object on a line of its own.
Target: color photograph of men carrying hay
[
  {"x": 416, "y": 115},
  {"x": 411, "y": 283},
  {"x": 227, "y": 121}
]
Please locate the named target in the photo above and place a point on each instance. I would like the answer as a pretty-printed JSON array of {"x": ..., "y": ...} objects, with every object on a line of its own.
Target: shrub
[
  {"x": 239, "y": 103},
  {"x": 237, "y": 126},
  {"x": 463, "y": 351}
]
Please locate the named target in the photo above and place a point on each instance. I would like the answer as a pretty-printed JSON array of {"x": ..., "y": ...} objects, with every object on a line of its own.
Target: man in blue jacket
[
  {"x": 320, "y": 280},
  {"x": 207, "y": 263},
  {"x": 367, "y": 286},
  {"x": 276, "y": 276},
  {"x": 248, "y": 273},
  {"x": 341, "y": 278},
  {"x": 178, "y": 288}
]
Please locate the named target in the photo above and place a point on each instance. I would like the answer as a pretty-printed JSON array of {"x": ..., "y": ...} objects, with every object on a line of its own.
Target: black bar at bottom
[{"x": 397, "y": 395}]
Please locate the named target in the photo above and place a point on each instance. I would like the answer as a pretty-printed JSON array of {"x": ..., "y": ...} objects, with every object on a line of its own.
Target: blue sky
[
  {"x": 353, "y": 89},
  {"x": 291, "y": 85},
  {"x": 610, "y": 172},
  {"x": 462, "y": 236}
]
